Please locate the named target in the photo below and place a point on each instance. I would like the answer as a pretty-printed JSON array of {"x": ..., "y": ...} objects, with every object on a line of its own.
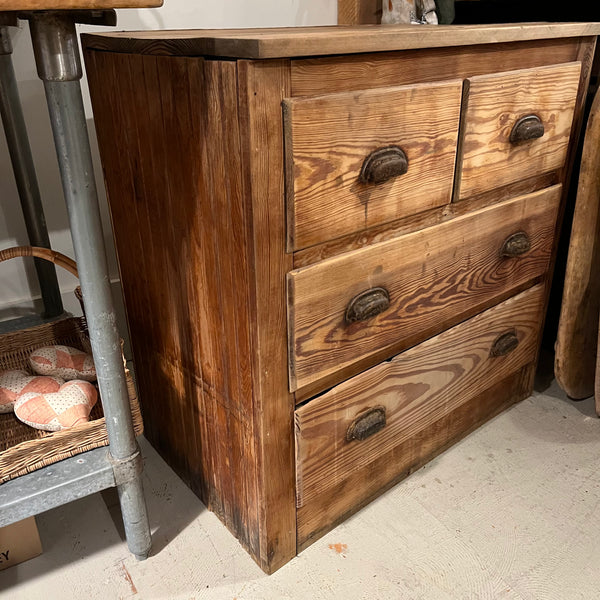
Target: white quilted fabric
[
  {"x": 63, "y": 361},
  {"x": 68, "y": 407},
  {"x": 17, "y": 382}
]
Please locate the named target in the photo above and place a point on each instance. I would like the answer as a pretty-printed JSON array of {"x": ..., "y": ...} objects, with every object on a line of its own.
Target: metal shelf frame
[
  {"x": 19, "y": 149},
  {"x": 56, "y": 49},
  {"x": 55, "y": 485}
]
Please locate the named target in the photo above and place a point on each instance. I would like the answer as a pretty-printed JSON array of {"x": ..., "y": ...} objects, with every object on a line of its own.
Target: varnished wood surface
[
  {"x": 203, "y": 238},
  {"x": 416, "y": 389},
  {"x": 197, "y": 414},
  {"x": 493, "y": 105},
  {"x": 435, "y": 278},
  {"x": 585, "y": 55},
  {"x": 321, "y": 41},
  {"x": 329, "y": 138},
  {"x": 356, "y": 12},
  {"x": 317, "y": 517},
  {"x": 262, "y": 86},
  {"x": 179, "y": 205},
  {"x": 394, "y": 229},
  {"x": 26, "y": 5},
  {"x": 315, "y": 76},
  {"x": 577, "y": 337}
]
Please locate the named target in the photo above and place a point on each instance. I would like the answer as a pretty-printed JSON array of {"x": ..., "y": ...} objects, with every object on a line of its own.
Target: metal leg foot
[{"x": 135, "y": 518}]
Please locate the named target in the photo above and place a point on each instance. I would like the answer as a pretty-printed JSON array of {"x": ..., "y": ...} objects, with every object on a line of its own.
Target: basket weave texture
[{"x": 24, "y": 449}]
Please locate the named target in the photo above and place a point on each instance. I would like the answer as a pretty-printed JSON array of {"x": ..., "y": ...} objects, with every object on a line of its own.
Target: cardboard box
[{"x": 19, "y": 542}]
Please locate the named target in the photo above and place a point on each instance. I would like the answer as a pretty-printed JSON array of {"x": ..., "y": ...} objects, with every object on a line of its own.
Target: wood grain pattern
[
  {"x": 263, "y": 85},
  {"x": 416, "y": 389},
  {"x": 317, "y": 517},
  {"x": 178, "y": 203},
  {"x": 435, "y": 277},
  {"x": 357, "y": 12},
  {"x": 577, "y": 336},
  {"x": 329, "y": 138},
  {"x": 394, "y": 229},
  {"x": 329, "y": 74},
  {"x": 25, "y": 5},
  {"x": 310, "y": 41},
  {"x": 495, "y": 103},
  {"x": 585, "y": 55},
  {"x": 194, "y": 163}
]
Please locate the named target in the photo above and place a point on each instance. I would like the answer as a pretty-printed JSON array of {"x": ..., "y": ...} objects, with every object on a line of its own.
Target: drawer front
[
  {"x": 364, "y": 418},
  {"x": 516, "y": 125},
  {"x": 400, "y": 292},
  {"x": 359, "y": 159}
]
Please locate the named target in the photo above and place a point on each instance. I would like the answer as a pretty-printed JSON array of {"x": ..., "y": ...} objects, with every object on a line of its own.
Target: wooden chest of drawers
[{"x": 335, "y": 247}]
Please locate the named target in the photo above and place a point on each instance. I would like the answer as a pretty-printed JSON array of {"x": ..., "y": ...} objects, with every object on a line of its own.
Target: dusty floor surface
[{"x": 511, "y": 512}]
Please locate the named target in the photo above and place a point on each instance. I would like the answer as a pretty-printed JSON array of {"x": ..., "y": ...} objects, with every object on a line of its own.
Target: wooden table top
[
  {"x": 320, "y": 41},
  {"x": 25, "y": 5}
]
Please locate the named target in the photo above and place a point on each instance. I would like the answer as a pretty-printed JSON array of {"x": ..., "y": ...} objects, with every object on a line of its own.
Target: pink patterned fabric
[
  {"x": 68, "y": 407},
  {"x": 63, "y": 361},
  {"x": 15, "y": 383}
]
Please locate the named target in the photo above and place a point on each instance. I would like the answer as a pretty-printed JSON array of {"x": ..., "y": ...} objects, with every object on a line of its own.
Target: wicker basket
[{"x": 24, "y": 449}]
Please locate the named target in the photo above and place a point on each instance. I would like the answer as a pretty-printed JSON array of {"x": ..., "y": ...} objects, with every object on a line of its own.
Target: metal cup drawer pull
[
  {"x": 383, "y": 164},
  {"x": 504, "y": 344},
  {"x": 516, "y": 245},
  {"x": 527, "y": 128},
  {"x": 366, "y": 424},
  {"x": 367, "y": 304}
]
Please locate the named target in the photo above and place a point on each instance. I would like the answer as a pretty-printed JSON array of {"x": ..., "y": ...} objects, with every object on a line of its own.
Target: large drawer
[
  {"x": 515, "y": 125},
  {"x": 361, "y": 421},
  {"x": 400, "y": 292},
  {"x": 359, "y": 159}
]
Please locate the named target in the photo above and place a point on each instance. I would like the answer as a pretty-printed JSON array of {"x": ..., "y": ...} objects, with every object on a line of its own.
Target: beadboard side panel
[{"x": 171, "y": 145}]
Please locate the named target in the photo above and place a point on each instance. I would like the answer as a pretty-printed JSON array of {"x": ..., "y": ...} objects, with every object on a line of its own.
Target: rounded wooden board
[{"x": 576, "y": 344}]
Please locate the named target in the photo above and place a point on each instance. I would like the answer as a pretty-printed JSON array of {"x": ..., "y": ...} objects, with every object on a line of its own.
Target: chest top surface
[{"x": 322, "y": 41}]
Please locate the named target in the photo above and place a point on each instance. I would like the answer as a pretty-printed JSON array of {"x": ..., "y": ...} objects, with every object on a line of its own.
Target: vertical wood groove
[{"x": 178, "y": 207}]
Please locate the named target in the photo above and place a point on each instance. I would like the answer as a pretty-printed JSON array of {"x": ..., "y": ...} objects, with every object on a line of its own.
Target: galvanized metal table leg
[
  {"x": 57, "y": 57},
  {"x": 25, "y": 177}
]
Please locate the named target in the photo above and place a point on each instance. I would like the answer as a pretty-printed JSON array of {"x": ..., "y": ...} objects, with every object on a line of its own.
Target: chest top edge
[{"x": 325, "y": 41}]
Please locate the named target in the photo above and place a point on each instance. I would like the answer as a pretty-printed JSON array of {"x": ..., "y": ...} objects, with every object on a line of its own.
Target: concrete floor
[{"x": 512, "y": 512}]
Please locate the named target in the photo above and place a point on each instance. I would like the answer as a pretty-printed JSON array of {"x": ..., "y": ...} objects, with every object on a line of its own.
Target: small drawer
[
  {"x": 353, "y": 309},
  {"x": 516, "y": 125},
  {"x": 359, "y": 159},
  {"x": 359, "y": 422}
]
